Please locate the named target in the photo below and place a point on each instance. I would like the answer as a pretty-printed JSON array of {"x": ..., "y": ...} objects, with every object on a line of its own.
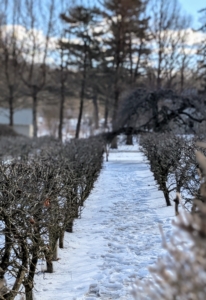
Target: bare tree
[
  {"x": 156, "y": 110},
  {"x": 168, "y": 27},
  {"x": 42, "y": 190},
  {"x": 11, "y": 55},
  {"x": 63, "y": 75},
  {"x": 36, "y": 48},
  {"x": 171, "y": 271}
]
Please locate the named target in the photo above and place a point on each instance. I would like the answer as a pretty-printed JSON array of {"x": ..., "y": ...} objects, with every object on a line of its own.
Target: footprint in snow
[{"x": 93, "y": 292}]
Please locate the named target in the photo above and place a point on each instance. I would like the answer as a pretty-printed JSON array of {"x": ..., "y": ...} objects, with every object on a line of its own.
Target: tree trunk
[
  {"x": 182, "y": 78},
  {"x": 177, "y": 202},
  {"x": 76, "y": 211},
  {"x": 29, "y": 283},
  {"x": 35, "y": 111},
  {"x": 49, "y": 265},
  {"x": 28, "y": 292},
  {"x": 167, "y": 198},
  {"x": 4, "y": 289},
  {"x": 81, "y": 97},
  {"x": 136, "y": 72},
  {"x": 114, "y": 143},
  {"x": 61, "y": 239},
  {"x": 61, "y": 110},
  {"x": 20, "y": 276},
  {"x": 155, "y": 113},
  {"x": 96, "y": 111},
  {"x": 55, "y": 252},
  {"x": 115, "y": 108},
  {"x": 80, "y": 111},
  {"x": 163, "y": 187},
  {"x": 8, "y": 246},
  {"x": 129, "y": 140},
  {"x": 106, "y": 150},
  {"x": 62, "y": 100},
  {"x": 159, "y": 67},
  {"x": 69, "y": 227},
  {"x": 106, "y": 113},
  {"x": 166, "y": 193},
  {"x": 11, "y": 108},
  {"x": 18, "y": 282},
  {"x": 130, "y": 50}
]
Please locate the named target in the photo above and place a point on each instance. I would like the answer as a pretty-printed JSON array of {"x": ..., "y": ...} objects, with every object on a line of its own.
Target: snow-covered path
[{"x": 115, "y": 240}]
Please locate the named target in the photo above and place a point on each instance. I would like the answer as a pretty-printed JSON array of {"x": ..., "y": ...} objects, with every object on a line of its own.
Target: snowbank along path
[{"x": 116, "y": 239}]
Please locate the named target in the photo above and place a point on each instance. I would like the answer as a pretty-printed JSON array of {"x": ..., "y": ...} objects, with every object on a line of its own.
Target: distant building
[{"x": 22, "y": 120}]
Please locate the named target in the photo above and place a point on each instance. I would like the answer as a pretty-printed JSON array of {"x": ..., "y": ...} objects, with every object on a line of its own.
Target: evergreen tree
[
  {"x": 127, "y": 29},
  {"x": 82, "y": 45}
]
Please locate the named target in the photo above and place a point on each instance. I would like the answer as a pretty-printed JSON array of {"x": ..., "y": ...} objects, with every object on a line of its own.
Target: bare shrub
[
  {"x": 181, "y": 273},
  {"x": 6, "y": 130},
  {"x": 43, "y": 185},
  {"x": 164, "y": 153}
]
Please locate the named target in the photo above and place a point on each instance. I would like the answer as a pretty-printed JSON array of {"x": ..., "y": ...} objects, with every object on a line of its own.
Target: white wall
[
  {"x": 26, "y": 130},
  {"x": 22, "y": 120},
  {"x": 21, "y": 116}
]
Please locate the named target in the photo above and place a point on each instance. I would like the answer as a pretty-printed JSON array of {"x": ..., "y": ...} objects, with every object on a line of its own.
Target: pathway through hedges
[{"x": 115, "y": 240}]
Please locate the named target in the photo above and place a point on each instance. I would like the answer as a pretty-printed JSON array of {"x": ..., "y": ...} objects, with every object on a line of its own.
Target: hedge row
[
  {"x": 180, "y": 273},
  {"x": 43, "y": 185},
  {"x": 173, "y": 163}
]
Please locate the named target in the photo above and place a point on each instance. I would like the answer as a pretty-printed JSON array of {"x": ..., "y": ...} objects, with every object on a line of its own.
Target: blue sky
[{"x": 192, "y": 7}]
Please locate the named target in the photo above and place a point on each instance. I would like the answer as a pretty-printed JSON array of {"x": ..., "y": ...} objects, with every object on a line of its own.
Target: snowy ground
[{"x": 117, "y": 237}]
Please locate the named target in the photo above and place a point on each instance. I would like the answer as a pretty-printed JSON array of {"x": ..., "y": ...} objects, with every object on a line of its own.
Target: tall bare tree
[
  {"x": 167, "y": 27},
  {"x": 11, "y": 55},
  {"x": 38, "y": 22}
]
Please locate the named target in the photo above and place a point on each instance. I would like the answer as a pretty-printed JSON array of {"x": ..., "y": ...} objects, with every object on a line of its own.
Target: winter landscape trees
[
  {"x": 124, "y": 44},
  {"x": 128, "y": 66},
  {"x": 182, "y": 270},
  {"x": 43, "y": 187}
]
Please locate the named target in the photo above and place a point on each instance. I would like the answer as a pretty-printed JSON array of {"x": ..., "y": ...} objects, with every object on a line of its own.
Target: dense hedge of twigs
[
  {"x": 43, "y": 185},
  {"x": 173, "y": 163},
  {"x": 6, "y": 130},
  {"x": 181, "y": 273}
]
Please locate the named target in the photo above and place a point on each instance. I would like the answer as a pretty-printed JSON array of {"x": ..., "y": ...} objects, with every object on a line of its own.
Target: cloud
[
  {"x": 189, "y": 36},
  {"x": 194, "y": 37},
  {"x": 30, "y": 42}
]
